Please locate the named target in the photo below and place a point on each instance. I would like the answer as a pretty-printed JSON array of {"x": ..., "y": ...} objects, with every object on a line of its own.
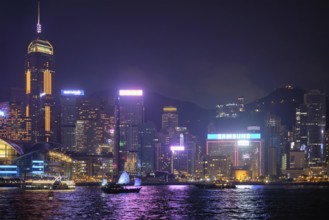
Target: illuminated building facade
[
  {"x": 244, "y": 150},
  {"x": 39, "y": 71},
  {"x": 94, "y": 139},
  {"x": 130, "y": 115},
  {"x": 169, "y": 117},
  {"x": 17, "y": 130},
  {"x": 310, "y": 126},
  {"x": 41, "y": 159},
  {"x": 273, "y": 148},
  {"x": 167, "y": 137},
  {"x": 147, "y": 133},
  {"x": 12, "y": 123},
  {"x": 69, "y": 116},
  {"x": 184, "y": 160},
  {"x": 87, "y": 126},
  {"x": 327, "y": 146},
  {"x": 4, "y": 119}
]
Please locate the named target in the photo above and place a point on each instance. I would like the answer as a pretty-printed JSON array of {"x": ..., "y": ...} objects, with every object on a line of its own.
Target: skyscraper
[
  {"x": 130, "y": 115},
  {"x": 273, "y": 145},
  {"x": 169, "y": 117},
  {"x": 311, "y": 124},
  {"x": 39, "y": 71},
  {"x": 69, "y": 116}
]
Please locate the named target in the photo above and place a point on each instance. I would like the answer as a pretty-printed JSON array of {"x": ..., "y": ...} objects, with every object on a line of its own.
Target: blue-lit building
[{"x": 40, "y": 159}]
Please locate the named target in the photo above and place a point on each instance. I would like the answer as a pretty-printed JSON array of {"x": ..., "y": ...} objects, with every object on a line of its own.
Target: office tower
[
  {"x": 184, "y": 161},
  {"x": 39, "y": 71},
  {"x": 147, "y": 132},
  {"x": 106, "y": 134},
  {"x": 130, "y": 114},
  {"x": 169, "y": 117},
  {"x": 86, "y": 126},
  {"x": 244, "y": 150},
  {"x": 17, "y": 129},
  {"x": 311, "y": 124},
  {"x": 272, "y": 145},
  {"x": 69, "y": 116},
  {"x": 301, "y": 128}
]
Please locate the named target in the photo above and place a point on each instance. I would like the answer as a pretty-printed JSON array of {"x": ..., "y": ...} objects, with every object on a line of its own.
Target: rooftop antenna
[{"x": 39, "y": 25}]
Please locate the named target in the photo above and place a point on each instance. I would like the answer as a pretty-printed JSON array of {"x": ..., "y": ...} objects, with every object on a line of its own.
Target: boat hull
[{"x": 110, "y": 190}]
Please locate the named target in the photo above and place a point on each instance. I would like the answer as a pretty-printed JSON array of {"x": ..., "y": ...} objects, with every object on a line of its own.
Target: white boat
[{"x": 49, "y": 183}]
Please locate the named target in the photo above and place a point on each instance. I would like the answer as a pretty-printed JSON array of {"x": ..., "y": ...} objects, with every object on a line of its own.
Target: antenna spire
[{"x": 38, "y": 24}]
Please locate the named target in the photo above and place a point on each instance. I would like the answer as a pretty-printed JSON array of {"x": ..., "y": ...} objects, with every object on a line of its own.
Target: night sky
[{"x": 206, "y": 52}]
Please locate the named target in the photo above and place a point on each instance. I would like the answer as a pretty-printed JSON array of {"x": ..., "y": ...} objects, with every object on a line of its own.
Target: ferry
[{"x": 49, "y": 183}]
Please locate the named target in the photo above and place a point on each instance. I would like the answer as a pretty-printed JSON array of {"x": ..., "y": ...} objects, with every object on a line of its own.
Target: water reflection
[{"x": 165, "y": 202}]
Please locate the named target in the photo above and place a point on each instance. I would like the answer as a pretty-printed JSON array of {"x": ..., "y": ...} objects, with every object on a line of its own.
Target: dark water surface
[{"x": 168, "y": 202}]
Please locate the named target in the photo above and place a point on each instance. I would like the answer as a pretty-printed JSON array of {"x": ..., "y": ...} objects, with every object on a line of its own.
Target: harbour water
[{"x": 168, "y": 202}]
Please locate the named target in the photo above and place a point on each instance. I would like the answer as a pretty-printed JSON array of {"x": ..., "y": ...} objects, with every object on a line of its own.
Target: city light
[
  {"x": 177, "y": 148},
  {"x": 73, "y": 92},
  {"x": 169, "y": 109},
  {"x": 246, "y": 136},
  {"x": 131, "y": 92},
  {"x": 243, "y": 143}
]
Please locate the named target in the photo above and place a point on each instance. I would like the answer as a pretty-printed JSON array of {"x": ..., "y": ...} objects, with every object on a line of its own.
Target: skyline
[{"x": 196, "y": 51}]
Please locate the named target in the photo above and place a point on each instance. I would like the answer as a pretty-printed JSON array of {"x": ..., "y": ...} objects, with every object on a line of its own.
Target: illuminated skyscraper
[
  {"x": 130, "y": 115},
  {"x": 169, "y": 117},
  {"x": 39, "y": 71},
  {"x": 311, "y": 124},
  {"x": 272, "y": 145},
  {"x": 69, "y": 116}
]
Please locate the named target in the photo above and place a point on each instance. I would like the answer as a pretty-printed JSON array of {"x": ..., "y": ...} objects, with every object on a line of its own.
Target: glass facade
[{"x": 7, "y": 153}]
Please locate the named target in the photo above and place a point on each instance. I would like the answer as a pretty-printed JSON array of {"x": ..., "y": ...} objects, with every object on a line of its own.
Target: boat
[
  {"x": 115, "y": 188},
  {"x": 122, "y": 186},
  {"x": 49, "y": 183}
]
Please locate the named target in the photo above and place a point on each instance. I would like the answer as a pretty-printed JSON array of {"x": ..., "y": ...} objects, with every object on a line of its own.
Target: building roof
[{"x": 18, "y": 147}]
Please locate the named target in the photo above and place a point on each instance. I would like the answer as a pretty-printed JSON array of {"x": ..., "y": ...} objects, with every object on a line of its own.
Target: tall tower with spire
[{"x": 39, "y": 71}]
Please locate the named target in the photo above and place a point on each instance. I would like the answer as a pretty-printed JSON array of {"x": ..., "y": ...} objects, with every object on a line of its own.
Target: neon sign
[{"x": 245, "y": 136}]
